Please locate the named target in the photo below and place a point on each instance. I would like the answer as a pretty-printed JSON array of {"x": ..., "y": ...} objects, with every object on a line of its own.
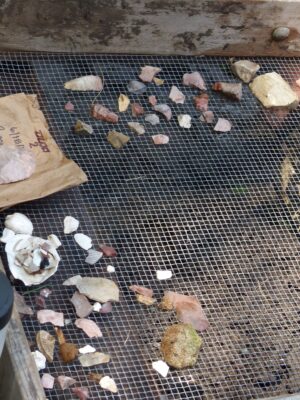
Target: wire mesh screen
[{"x": 206, "y": 206}]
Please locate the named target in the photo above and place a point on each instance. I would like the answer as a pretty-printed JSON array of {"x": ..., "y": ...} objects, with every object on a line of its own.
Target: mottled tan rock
[
  {"x": 273, "y": 91},
  {"x": 45, "y": 343},
  {"x": 98, "y": 289}
]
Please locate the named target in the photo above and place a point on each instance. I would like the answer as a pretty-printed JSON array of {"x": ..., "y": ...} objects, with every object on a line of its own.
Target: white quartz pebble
[
  {"x": 161, "y": 367},
  {"x": 71, "y": 224},
  {"x": 84, "y": 241},
  {"x": 163, "y": 275}
]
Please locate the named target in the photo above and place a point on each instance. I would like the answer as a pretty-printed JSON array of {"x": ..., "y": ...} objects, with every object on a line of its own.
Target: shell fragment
[
  {"x": 161, "y": 367},
  {"x": 84, "y": 241},
  {"x": 162, "y": 275},
  {"x": 19, "y": 223}
]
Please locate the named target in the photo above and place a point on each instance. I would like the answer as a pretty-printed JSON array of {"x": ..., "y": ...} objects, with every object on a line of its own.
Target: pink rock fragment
[
  {"x": 152, "y": 100},
  {"x": 40, "y": 302},
  {"x": 137, "y": 109},
  {"x": 148, "y": 73},
  {"x": 55, "y": 318},
  {"x": 223, "y": 125},
  {"x": 160, "y": 139},
  {"x": 47, "y": 381},
  {"x": 65, "y": 381},
  {"x": 106, "y": 308},
  {"x": 201, "y": 102},
  {"x": 82, "y": 305},
  {"x": 16, "y": 164},
  {"x": 102, "y": 113},
  {"x": 164, "y": 109},
  {"x": 176, "y": 95},
  {"x": 188, "y": 309},
  {"x": 108, "y": 251},
  {"x": 69, "y": 106},
  {"x": 141, "y": 290},
  {"x": 89, "y": 327},
  {"x": 81, "y": 392},
  {"x": 207, "y": 116},
  {"x": 194, "y": 79}
]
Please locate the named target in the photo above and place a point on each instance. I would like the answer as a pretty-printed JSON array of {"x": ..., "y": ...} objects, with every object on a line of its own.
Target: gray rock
[
  {"x": 91, "y": 359},
  {"x": 98, "y": 289}
]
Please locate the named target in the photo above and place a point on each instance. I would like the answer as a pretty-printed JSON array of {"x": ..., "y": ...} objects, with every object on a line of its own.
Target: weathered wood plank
[
  {"x": 18, "y": 374},
  {"x": 196, "y": 27}
]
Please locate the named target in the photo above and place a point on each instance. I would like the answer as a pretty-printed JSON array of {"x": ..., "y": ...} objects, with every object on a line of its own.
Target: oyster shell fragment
[{"x": 31, "y": 259}]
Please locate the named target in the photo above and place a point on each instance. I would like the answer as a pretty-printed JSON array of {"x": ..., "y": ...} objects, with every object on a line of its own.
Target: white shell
[
  {"x": 53, "y": 239},
  {"x": 111, "y": 269},
  {"x": 40, "y": 359},
  {"x": 7, "y": 235},
  {"x": 161, "y": 367},
  {"x": 93, "y": 256},
  {"x": 97, "y": 307},
  {"x": 19, "y": 223},
  {"x": 71, "y": 224},
  {"x": 184, "y": 121},
  {"x": 84, "y": 241},
  {"x": 87, "y": 349},
  {"x": 19, "y": 248},
  {"x": 163, "y": 275},
  {"x": 108, "y": 383}
]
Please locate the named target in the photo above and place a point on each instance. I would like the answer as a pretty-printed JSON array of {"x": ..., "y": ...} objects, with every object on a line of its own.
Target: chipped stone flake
[
  {"x": 136, "y": 87},
  {"x": 109, "y": 384},
  {"x": 71, "y": 224},
  {"x": 53, "y": 239},
  {"x": 176, "y": 95},
  {"x": 93, "y": 256},
  {"x": 89, "y": 327},
  {"x": 148, "y": 72},
  {"x": 136, "y": 127},
  {"x": 55, "y": 318},
  {"x": 47, "y": 381},
  {"x": 87, "y": 349},
  {"x": 72, "y": 281},
  {"x": 84, "y": 241},
  {"x": 123, "y": 102},
  {"x": 84, "y": 83},
  {"x": 92, "y": 359},
  {"x": 160, "y": 139},
  {"x": 153, "y": 119}
]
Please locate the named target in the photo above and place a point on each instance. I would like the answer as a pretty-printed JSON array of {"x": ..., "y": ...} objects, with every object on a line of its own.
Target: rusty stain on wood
[{"x": 159, "y": 26}]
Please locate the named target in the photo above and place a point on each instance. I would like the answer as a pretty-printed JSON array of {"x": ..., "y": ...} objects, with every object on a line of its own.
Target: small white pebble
[
  {"x": 162, "y": 275},
  {"x": 71, "y": 224},
  {"x": 184, "y": 120},
  {"x": 87, "y": 349},
  {"x": 97, "y": 307},
  {"x": 110, "y": 269},
  {"x": 84, "y": 241},
  {"x": 40, "y": 359},
  {"x": 161, "y": 367},
  {"x": 68, "y": 321}
]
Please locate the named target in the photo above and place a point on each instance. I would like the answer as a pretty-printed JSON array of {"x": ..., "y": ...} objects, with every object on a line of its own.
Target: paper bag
[{"x": 23, "y": 125}]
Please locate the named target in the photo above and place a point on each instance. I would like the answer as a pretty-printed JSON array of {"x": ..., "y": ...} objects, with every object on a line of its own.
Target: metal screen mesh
[{"x": 207, "y": 206}]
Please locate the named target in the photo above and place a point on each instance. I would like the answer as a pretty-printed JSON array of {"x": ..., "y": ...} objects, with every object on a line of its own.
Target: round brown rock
[{"x": 180, "y": 346}]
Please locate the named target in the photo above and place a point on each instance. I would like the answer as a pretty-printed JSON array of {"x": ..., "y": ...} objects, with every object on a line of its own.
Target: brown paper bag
[{"x": 23, "y": 124}]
